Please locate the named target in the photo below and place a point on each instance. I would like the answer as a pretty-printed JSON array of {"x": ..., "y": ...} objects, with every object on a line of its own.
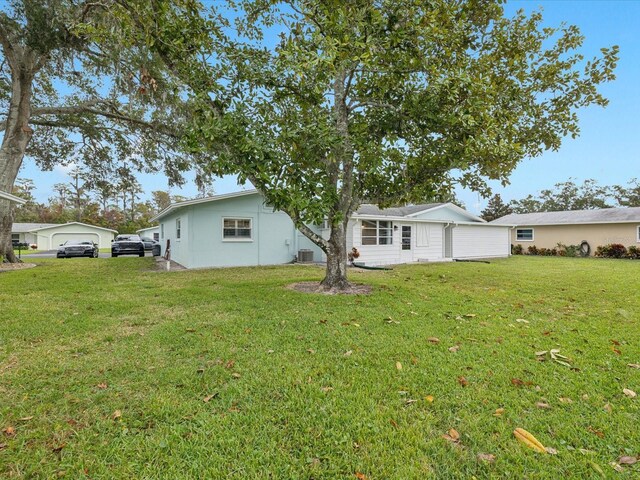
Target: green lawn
[{"x": 306, "y": 386}]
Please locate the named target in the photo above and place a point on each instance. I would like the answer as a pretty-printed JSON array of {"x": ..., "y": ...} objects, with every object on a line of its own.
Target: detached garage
[{"x": 50, "y": 236}]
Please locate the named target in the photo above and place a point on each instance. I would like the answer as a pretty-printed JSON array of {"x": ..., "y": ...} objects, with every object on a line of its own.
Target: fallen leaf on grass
[
  {"x": 230, "y": 364},
  {"x": 551, "y": 450},
  {"x": 116, "y": 415},
  {"x": 3, "y": 446},
  {"x": 607, "y": 408},
  {"x": 565, "y": 400},
  {"x": 9, "y": 431},
  {"x": 626, "y": 460},
  {"x": 633, "y": 365},
  {"x": 414, "y": 360},
  {"x": 463, "y": 381},
  {"x": 521, "y": 320},
  {"x": 435, "y": 340},
  {"x": 361, "y": 476},
  {"x": 394, "y": 423},
  {"x": 102, "y": 386},
  {"x": 398, "y": 365},
  {"x": 629, "y": 393},
  {"x": 542, "y": 405},
  {"x": 311, "y": 350},
  {"x": 529, "y": 440},
  {"x": 326, "y": 389},
  {"x": 454, "y": 349},
  {"x": 598, "y": 469},
  {"x": 58, "y": 448},
  {"x": 597, "y": 433},
  {"x": 452, "y": 436},
  {"x": 470, "y": 315},
  {"x": 616, "y": 467},
  {"x": 410, "y": 401},
  {"x": 615, "y": 350},
  {"x": 429, "y": 398},
  {"x": 26, "y": 419},
  {"x": 486, "y": 457},
  {"x": 208, "y": 398},
  {"x": 348, "y": 353},
  {"x": 235, "y": 375},
  {"x": 498, "y": 412}
]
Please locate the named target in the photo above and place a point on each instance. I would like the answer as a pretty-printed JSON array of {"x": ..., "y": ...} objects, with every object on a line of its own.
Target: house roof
[
  {"x": 29, "y": 227},
  {"x": 12, "y": 198},
  {"x": 373, "y": 210},
  {"x": 44, "y": 226},
  {"x": 148, "y": 228},
  {"x": 186, "y": 203},
  {"x": 605, "y": 215}
]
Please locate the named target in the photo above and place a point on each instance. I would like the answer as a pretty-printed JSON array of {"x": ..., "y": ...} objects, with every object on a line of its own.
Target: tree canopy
[
  {"x": 66, "y": 97},
  {"x": 383, "y": 101}
]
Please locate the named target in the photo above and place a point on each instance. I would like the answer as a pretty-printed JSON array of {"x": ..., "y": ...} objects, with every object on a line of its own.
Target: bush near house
[{"x": 612, "y": 250}]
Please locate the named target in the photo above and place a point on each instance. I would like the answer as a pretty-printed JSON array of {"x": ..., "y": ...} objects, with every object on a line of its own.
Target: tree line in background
[
  {"x": 114, "y": 203},
  {"x": 567, "y": 196}
]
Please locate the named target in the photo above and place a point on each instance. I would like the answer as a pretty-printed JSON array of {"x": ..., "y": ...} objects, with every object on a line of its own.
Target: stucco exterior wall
[
  {"x": 274, "y": 238},
  {"x": 548, "y": 236}
]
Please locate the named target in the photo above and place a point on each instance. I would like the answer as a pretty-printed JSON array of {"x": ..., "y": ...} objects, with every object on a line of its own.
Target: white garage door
[
  {"x": 475, "y": 242},
  {"x": 58, "y": 238}
]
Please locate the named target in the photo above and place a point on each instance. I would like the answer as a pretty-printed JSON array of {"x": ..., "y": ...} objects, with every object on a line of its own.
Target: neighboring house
[
  {"x": 239, "y": 229},
  {"x": 47, "y": 236},
  {"x": 150, "y": 232},
  {"x": 12, "y": 198},
  {"x": 597, "y": 227}
]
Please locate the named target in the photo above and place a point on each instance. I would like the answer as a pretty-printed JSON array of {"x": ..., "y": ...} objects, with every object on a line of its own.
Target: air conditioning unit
[{"x": 305, "y": 256}]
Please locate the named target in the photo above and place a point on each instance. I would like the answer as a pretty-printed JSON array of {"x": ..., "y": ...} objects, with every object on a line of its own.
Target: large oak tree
[
  {"x": 65, "y": 97},
  {"x": 384, "y": 101}
]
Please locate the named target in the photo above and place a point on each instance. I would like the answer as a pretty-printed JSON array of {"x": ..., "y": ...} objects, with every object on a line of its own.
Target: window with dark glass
[
  {"x": 377, "y": 232},
  {"x": 406, "y": 237},
  {"x": 524, "y": 234},
  {"x": 236, "y": 229}
]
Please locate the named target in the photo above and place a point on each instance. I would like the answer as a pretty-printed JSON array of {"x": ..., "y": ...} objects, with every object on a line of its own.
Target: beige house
[
  {"x": 47, "y": 236},
  {"x": 596, "y": 227}
]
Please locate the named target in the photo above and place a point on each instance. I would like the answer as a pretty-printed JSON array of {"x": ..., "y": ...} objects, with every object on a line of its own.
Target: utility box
[{"x": 305, "y": 256}]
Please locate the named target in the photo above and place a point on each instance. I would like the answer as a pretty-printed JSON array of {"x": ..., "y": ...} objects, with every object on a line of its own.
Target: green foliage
[
  {"x": 569, "y": 250},
  {"x": 386, "y": 102},
  {"x": 566, "y": 196},
  {"x": 496, "y": 208},
  {"x": 612, "y": 250},
  {"x": 318, "y": 393}
]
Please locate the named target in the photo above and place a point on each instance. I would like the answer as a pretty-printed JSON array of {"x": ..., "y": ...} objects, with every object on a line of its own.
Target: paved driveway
[{"x": 52, "y": 254}]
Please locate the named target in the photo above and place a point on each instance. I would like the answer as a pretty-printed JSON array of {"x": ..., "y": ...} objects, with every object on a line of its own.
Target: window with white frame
[
  {"x": 162, "y": 230},
  {"x": 377, "y": 232},
  {"x": 156, "y": 236},
  {"x": 15, "y": 238},
  {"x": 178, "y": 228},
  {"x": 236, "y": 229},
  {"x": 524, "y": 234},
  {"x": 638, "y": 239}
]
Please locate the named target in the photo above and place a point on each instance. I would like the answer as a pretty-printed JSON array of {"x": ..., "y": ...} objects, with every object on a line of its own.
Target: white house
[
  {"x": 47, "y": 236},
  {"x": 239, "y": 229},
  {"x": 150, "y": 232}
]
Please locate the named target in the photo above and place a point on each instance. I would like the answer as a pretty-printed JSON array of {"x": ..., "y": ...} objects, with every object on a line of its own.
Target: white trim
[
  {"x": 533, "y": 235},
  {"x": 12, "y": 198},
  {"x": 238, "y": 240},
  {"x": 494, "y": 223},
  {"x": 377, "y": 237},
  {"x": 148, "y": 228},
  {"x": 638, "y": 232},
  {"x": 455, "y": 208},
  {"x": 196, "y": 201}
]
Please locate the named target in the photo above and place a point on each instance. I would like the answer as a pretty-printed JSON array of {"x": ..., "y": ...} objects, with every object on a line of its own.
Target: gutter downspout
[{"x": 511, "y": 229}]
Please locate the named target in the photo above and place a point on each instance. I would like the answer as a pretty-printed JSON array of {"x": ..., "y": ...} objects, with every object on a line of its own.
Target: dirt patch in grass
[
  {"x": 8, "y": 267},
  {"x": 315, "y": 287}
]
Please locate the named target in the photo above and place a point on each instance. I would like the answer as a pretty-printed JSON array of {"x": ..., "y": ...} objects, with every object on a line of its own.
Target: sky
[{"x": 607, "y": 150}]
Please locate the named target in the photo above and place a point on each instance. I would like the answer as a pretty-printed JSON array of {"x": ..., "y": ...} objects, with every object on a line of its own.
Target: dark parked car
[
  {"x": 77, "y": 248},
  {"x": 151, "y": 245},
  {"x": 127, "y": 245}
]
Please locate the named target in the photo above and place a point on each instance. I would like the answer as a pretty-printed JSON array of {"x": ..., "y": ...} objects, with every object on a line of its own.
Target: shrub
[
  {"x": 612, "y": 250},
  {"x": 517, "y": 249},
  {"x": 633, "y": 252},
  {"x": 532, "y": 250},
  {"x": 568, "y": 250}
]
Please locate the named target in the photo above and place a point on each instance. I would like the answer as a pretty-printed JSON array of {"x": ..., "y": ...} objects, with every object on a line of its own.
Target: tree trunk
[
  {"x": 336, "y": 276},
  {"x": 14, "y": 145}
]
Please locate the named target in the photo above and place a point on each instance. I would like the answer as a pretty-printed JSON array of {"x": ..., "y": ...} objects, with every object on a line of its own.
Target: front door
[{"x": 406, "y": 243}]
